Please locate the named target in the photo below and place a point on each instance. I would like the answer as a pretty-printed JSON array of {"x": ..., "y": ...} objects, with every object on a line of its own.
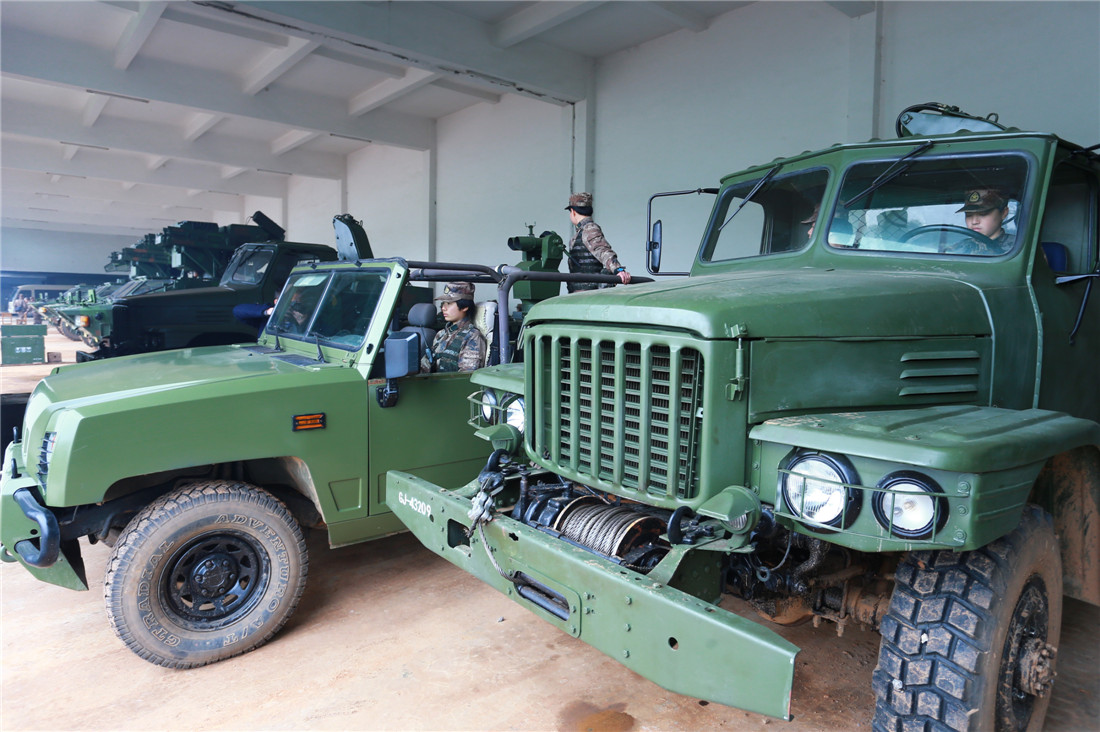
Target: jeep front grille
[{"x": 620, "y": 413}]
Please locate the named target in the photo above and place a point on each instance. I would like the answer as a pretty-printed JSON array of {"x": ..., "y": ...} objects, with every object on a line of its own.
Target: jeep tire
[
  {"x": 206, "y": 572},
  {"x": 970, "y": 638}
]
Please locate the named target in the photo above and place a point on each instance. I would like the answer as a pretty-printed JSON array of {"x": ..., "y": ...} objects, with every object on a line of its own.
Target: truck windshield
[
  {"x": 334, "y": 308},
  {"x": 248, "y": 266},
  {"x": 765, "y": 215},
  {"x": 955, "y": 206}
]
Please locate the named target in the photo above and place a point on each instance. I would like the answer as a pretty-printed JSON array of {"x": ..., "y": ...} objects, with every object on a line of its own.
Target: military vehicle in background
[
  {"x": 251, "y": 443},
  {"x": 203, "y": 316},
  {"x": 858, "y": 407},
  {"x": 89, "y": 320}
]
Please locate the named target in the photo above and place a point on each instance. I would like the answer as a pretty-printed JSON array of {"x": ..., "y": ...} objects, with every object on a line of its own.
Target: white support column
[
  {"x": 865, "y": 75},
  {"x": 581, "y": 120},
  {"x": 431, "y": 164}
]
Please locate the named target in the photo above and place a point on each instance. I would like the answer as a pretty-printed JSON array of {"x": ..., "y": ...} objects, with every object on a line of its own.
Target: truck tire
[
  {"x": 204, "y": 573},
  {"x": 970, "y": 638}
]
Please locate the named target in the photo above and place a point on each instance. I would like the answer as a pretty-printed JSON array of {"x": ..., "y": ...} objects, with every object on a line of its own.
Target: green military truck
[
  {"x": 855, "y": 409},
  {"x": 200, "y": 466}
]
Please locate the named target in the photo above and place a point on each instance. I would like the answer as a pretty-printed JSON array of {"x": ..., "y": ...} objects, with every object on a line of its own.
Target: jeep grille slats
[{"x": 619, "y": 412}]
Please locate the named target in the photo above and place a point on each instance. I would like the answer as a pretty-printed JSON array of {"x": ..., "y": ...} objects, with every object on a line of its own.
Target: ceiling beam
[
  {"x": 482, "y": 94},
  {"x": 93, "y": 107},
  {"x": 277, "y": 63},
  {"x": 409, "y": 33},
  {"x": 43, "y": 157},
  {"x": 289, "y": 141},
  {"x": 33, "y": 56},
  {"x": 137, "y": 32},
  {"x": 681, "y": 15},
  {"x": 852, "y": 8},
  {"x": 199, "y": 124},
  {"x": 537, "y": 19},
  {"x": 389, "y": 90}
]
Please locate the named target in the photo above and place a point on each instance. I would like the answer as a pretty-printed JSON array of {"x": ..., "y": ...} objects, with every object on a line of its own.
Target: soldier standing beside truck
[{"x": 589, "y": 252}]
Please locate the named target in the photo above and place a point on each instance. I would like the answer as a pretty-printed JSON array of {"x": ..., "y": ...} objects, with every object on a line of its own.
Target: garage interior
[{"x": 446, "y": 128}]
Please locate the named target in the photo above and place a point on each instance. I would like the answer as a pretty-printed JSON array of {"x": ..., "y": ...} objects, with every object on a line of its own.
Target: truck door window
[
  {"x": 1067, "y": 238},
  {"x": 921, "y": 211},
  {"x": 248, "y": 266},
  {"x": 777, "y": 217}
]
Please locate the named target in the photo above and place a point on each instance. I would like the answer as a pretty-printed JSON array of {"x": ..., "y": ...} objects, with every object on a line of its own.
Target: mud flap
[{"x": 677, "y": 641}]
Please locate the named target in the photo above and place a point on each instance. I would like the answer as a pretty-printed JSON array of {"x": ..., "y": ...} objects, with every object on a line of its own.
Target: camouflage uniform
[
  {"x": 589, "y": 252},
  {"x": 458, "y": 347}
]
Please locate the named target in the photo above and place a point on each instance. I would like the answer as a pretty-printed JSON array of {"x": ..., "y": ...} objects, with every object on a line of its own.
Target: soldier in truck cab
[
  {"x": 460, "y": 346},
  {"x": 589, "y": 252},
  {"x": 986, "y": 210}
]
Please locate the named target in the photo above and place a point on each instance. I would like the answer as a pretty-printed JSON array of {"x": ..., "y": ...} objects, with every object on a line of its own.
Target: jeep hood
[
  {"x": 785, "y": 304},
  {"x": 157, "y": 373}
]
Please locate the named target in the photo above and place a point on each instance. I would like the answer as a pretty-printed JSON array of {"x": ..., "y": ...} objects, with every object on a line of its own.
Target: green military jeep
[
  {"x": 860, "y": 407},
  {"x": 230, "y": 450}
]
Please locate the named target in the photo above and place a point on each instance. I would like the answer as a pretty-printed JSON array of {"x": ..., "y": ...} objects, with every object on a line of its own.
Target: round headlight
[
  {"x": 814, "y": 488},
  {"x": 488, "y": 405},
  {"x": 909, "y": 505},
  {"x": 514, "y": 414}
]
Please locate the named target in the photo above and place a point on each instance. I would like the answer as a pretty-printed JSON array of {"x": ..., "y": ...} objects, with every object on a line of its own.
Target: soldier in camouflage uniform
[
  {"x": 589, "y": 252},
  {"x": 460, "y": 346},
  {"x": 985, "y": 209}
]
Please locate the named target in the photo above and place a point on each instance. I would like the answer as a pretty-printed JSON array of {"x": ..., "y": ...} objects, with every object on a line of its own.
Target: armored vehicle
[
  {"x": 857, "y": 408},
  {"x": 201, "y": 466},
  {"x": 185, "y": 318}
]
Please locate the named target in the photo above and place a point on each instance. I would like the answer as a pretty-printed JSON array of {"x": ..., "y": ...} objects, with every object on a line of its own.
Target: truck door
[{"x": 1069, "y": 309}]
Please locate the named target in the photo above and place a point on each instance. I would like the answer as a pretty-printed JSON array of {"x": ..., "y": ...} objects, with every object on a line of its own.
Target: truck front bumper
[
  {"x": 29, "y": 532},
  {"x": 683, "y": 644}
]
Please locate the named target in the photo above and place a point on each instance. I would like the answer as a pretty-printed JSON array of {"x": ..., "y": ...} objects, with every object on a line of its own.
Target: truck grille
[{"x": 619, "y": 413}]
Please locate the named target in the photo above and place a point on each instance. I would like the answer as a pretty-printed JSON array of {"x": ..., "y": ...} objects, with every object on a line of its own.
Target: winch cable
[{"x": 491, "y": 482}]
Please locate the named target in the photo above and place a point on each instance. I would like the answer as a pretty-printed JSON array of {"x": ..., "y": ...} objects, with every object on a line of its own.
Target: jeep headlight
[
  {"x": 488, "y": 405},
  {"x": 909, "y": 505},
  {"x": 817, "y": 488},
  {"x": 515, "y": 414}
]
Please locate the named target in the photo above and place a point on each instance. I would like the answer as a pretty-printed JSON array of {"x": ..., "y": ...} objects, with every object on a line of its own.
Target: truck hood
[{"x": 785, "y": 304}]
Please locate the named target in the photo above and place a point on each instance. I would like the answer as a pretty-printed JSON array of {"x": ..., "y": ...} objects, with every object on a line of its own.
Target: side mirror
[
  {"x": 402, "y": 354},
  {"x": 654, "y": 248}
]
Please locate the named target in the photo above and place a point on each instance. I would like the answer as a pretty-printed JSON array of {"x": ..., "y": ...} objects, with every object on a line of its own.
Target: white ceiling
[{"x": 125, "y": 117}]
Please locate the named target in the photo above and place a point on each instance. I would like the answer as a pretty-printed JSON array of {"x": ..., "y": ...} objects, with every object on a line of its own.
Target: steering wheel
[{"x": 980, "y": 240}]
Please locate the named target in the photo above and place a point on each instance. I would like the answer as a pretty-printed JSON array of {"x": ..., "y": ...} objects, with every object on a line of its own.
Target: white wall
[
  {"x": 1037, "y": 64},
  {"x": 388, "y": 190},
  {"x": 500, "y": 167},
  {"x": 34, "y": 250},
  {"x": 311, "y": 204}
]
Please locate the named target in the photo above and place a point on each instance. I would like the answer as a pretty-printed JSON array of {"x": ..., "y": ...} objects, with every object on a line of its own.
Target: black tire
[
  {"x": 204, "y": 573},
  {"x": 970, "y": 637}
]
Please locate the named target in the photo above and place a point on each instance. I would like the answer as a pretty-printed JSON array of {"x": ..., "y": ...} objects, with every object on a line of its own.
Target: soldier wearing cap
[
  {"x": 589, "y": 252},
  {"x": 985, "y": 209},
  {"x": 460, "y": 346}
]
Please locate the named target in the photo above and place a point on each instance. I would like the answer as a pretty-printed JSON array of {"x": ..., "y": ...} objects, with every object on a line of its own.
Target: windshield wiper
[
  {"x": 759, "y": 184},
  {"x": 889, "y": 174},
  {"x": 320, "y": 353},
  {"x": 277, "y": 330}
]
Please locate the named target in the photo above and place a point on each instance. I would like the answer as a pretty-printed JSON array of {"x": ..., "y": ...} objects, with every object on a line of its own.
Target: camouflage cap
[
  {"x": 981, "y": 200},
  {"x": 581, "y": 203},
  {"x": 455, "y": 291}
]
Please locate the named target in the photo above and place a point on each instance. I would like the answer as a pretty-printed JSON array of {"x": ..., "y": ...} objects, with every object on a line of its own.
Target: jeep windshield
[
  {"x": 332, "y": 308},
  {"x": 948, "y": 205}
]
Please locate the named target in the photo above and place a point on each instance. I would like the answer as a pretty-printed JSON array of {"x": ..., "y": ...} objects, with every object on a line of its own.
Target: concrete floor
[{"x": 390, "y": 637}]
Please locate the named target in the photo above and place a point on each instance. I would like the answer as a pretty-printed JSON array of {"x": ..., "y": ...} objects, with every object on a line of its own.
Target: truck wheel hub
[{"x": 214, "y": 575}]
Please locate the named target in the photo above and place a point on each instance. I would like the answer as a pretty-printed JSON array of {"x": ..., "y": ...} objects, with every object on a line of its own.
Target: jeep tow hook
[{"x": 49, "y": 540}]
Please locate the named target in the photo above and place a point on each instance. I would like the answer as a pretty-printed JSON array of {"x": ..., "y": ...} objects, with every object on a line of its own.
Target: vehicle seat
[
  {"x": 485, "y": 318},
  {"x": 422, "y": 320},
  {"x": 1057, "y": 255}
]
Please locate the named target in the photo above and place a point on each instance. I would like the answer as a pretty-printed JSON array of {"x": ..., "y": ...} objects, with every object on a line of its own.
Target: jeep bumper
[
  {"x": 683, "y": 644},
  {"x": 29, "y": 532}
]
